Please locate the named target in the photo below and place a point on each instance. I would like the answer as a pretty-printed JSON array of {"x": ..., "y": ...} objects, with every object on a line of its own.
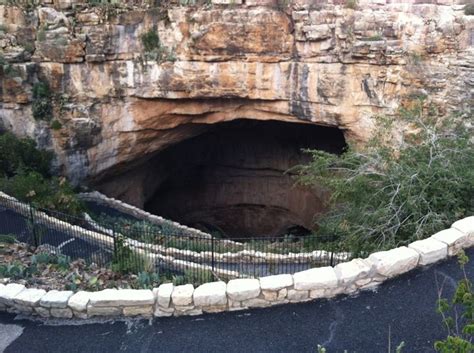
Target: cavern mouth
[{"x": 232, "y": 179}]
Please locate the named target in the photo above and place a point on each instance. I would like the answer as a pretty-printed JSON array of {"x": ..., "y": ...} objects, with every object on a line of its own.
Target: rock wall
[
  {"x": 319, "y": 62},
  {"x": 240, "y": 294}
]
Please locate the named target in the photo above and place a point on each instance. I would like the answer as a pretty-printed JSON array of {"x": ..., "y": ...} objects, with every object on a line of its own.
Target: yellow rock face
[{"x": 329, "y": 65}]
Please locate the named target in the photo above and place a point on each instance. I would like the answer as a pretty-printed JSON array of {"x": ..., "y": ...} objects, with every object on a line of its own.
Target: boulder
[
  {"x": 56, "y": 299},
  {"x": 348, "y": 272},
  {"x": 163, "y": 294},
  {"x": 29, "y": 297},
  {"x": 275, "y": 283},
  {"x": 8, "y": 292},
  {"x": 430, "y": 250},
  {"x": 315, "y": 278},
  {"x": 210, "y": 294},
  {"x": 454, "y": 239},
  {"x": 243, "y": 289},
  {"x": 78, "y": 302},
  {"x": 183, "y": 295},
  {"x": 394, "y": 262},
  {"x": 122, "y": 297}
]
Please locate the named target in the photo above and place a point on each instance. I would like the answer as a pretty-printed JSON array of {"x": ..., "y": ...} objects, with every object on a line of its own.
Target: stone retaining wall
[
  {"x": 252, "y": 256},
  {"x": 241, "y": 294},
  {"x": 126, "y": 208}
]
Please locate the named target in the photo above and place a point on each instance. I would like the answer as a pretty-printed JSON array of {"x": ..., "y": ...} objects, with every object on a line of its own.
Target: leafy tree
[{"x": 393, "y": 192}]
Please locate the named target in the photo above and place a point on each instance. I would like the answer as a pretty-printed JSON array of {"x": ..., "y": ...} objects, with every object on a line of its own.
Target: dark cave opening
[{"x": 233, "y": 179}]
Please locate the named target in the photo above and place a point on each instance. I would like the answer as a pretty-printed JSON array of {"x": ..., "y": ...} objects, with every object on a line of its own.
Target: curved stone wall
[{"x": 241, "y": 294}]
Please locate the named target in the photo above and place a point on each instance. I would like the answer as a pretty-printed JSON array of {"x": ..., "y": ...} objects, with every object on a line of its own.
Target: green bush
[
  {"x": 469, "y": 10},
  {"x": 351, "y": 4},
  {"x": 54, "y": 193},
  {"x": 7, "y": 238},
  {"x": 384, "y": 196},
  {"x": 42, "y": 106},
  {"x": 150, "y": 41},
  {"x": 21, "y": 154},
  {"x": 127, "y": 261},
  {"x": 460, "y": 334},
  {"x": 56, "y": 125}
]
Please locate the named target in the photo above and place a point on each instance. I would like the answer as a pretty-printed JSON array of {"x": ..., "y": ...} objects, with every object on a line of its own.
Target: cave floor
[{"x": 403, "y": 307}]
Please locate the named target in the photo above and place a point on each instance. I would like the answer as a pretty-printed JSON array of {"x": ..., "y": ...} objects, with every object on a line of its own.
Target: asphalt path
[{"x": 402, "y": 309}]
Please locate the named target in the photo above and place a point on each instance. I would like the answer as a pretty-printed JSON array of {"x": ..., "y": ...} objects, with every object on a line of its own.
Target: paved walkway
[{"x": 405, "y": 307}]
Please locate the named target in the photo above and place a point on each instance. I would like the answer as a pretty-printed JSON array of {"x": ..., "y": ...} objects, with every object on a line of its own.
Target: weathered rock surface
[
  {"x": 328, "y": 65},
  {"x": 430, "y": 250},
  {"x": 454, "y": 239},
  {"x": 276, "y": 282},
  {"x": 315, "y": 278},
  {"x": 395, "y": 261},
  {"x": 243, "y": 289},
  {"x": 122, "y": 297},
  {"x": 183, "y": 295},
  {"x": 78, "y": 302},
  {"x": 210, "y": 294},
  {"x": 56, "y": 299}
]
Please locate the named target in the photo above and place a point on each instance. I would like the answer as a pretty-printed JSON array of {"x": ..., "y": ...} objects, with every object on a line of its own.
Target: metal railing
[{"x": 136, "y": 246}]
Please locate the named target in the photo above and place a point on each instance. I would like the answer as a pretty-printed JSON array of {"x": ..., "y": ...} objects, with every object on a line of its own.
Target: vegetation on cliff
[
  {"x": 390, "y": 192},
  {"x": 25, "y": 174}
]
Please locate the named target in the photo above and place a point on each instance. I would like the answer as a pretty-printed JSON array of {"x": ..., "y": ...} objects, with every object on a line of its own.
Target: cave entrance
[{"x": 232, "y": 179}]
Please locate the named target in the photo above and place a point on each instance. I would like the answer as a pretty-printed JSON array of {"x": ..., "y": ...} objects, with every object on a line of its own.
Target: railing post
[
  {"x": 332, "y": 257},
  {"x": 115, "y": 242},
  {"x": 33, "y": 226},
  {"x": 212, "y": 250}
]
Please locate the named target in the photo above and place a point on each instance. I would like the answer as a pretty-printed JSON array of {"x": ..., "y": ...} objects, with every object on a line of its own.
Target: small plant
[
  {"x": 125, "y": 260},
  {"x": 469, "y": 10},
  {"x": 197, "y": 276},
  {"x": 415, "y": 58},
  {"x": 375, "y": 38},
  {"x": 7, "y": 238},
  {"x": 29, "y": 47},
  {"x": 460, "y": 334},
  {"x": 153, "y": 48},
  {"x": 150, "y": 41},
  {"x": 351, "y": 4},
  {"x": 56, "y": 125},
  {"x": 41, "y": 34},
  {"x": 148, "y": 280},
  {"x": 15, "y": 271},
  {"x": 42, "y": 107}
]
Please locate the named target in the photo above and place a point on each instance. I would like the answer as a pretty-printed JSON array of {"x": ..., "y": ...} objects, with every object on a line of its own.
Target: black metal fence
[{"x": 136, "y": 246}]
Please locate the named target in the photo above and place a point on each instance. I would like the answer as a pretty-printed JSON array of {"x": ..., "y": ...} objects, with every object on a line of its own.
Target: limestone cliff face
[{"x": 320, "y": 64}]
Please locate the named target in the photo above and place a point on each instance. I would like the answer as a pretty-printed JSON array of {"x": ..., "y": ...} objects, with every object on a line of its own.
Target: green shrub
[
  {"x": 41, "y": 34},
  {"x": 460, "y": 334},
  {"x": 375, "y": 38},
  {"x": 56, "y": 125},
  {"x": 148, "y": 280},
  {"x": 469, "y": 10},
  {"x": 150, "y": 41},
  {"x": 15, "y": 270},
  {"x": 384, "y": 196},
  {"x": 21, "y": 154},
  {"x": 7, "y": 238},
  {"x": 53, "y": 194},
  {"x": 351, "y": 4},
  {"x": 126, "y": 261},
  {"x": 42, "y": 106}
]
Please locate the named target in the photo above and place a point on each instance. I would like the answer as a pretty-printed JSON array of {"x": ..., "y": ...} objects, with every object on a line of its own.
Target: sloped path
[{"x": 404, "y": 306}]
